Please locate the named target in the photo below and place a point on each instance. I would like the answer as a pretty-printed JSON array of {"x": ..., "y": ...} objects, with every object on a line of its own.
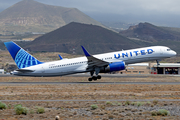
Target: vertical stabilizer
[{"x": 22, "y": 58}]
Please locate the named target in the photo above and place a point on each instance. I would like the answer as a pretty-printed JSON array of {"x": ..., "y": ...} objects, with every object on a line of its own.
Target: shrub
[
  {"x": 40, "y": 110},
  {"x": 3, "y": 105},
  {"x": 148, "y": 103},
  {"x": 9, "y": 106},
  {"x": 163, "y": 112},
  {"x": 93, "y": 107},
  {"x": 108, "y": 103},
  {"x": 153, "y": 113},
  {"x": 155, "y": 102},
  {"x": 31, "y": 111},
  {"x": 133, "y": 103},
  {"x": 139, "y": 104},
  {"x": 17, "y": 105},
  {"x": 119, "y": 104},
  {"x": 103, "y": 107},
  {"x": 127, "y": 103},
  {"x": 21, "y": 110}
]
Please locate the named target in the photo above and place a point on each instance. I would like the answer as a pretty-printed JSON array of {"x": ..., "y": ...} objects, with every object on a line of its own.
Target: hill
[
  {"x": 156, "y": 35},
  {"x": 29, "y": 15},
  {"x": 96, "y": 39},
  {"x": 152, "y": 33}
]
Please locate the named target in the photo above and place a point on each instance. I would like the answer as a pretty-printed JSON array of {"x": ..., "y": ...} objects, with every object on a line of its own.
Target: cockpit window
[{"x": 168, "y": 49}]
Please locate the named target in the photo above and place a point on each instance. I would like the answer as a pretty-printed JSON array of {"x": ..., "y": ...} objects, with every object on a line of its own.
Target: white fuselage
[{"x": 80, "y": 64}]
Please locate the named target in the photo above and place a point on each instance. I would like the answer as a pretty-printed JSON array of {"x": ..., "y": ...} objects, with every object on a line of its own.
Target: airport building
[
  {"x": 167, "y": 68},
  {"x": 139, "y": 68},
  {"x": 152, "y": 68},
  {"x": 1, "y": 71}
]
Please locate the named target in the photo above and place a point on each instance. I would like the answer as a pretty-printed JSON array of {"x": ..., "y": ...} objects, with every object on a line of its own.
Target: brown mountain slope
[
  {"x": 29, "y": 15},
  {"x": 164, "y": 36},
  {"x": 149, "y": 32},
  {"x": 96, "y": 39}
]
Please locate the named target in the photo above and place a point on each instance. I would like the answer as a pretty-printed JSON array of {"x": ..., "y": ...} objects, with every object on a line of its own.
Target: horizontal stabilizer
[
  {"x": 60, "y": 57},
  {"x": 24, "y": 70}
]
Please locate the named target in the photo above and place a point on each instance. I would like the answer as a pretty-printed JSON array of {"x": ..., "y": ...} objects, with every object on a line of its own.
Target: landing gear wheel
[
  {"x": 94, "y": 78},
  {"x": 90, "y": 79},
  {"x": 98, "y": 77}
]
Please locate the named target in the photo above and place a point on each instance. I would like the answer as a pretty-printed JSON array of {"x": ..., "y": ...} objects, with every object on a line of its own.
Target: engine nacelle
[{"x": 117, "y": 66}]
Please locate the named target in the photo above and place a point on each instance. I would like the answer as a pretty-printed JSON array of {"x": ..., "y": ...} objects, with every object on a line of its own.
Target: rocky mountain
[
  {"x": 30, "y": 15},
  {"x": 152, "y": 33},
  {"x": 164, "y": 36},
  {"x": 96, "y": 39}
]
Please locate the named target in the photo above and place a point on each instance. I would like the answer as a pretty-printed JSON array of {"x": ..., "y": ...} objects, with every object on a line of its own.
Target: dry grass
[{"x": 82, "y": 92}]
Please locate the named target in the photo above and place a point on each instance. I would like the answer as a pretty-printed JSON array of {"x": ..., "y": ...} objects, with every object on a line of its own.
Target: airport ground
[{"x": 72, "y": 97}]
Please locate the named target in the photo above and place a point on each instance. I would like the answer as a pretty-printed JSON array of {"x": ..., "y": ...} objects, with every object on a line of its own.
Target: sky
[{"x": 162, "y": 11}]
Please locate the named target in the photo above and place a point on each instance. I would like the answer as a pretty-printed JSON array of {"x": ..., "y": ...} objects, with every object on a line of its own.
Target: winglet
[
  {"x": 85, "y": 52},
  {"x": 60, "y": 57}
]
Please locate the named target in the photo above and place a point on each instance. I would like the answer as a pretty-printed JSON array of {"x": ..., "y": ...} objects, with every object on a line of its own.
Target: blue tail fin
[{"x": 20, "y": 56}]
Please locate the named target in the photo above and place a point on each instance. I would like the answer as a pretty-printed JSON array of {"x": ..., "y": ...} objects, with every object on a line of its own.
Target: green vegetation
[
  {"x": 138, "y": 103},
  {"x": 3, "y": 105},
  {"x": 127, "y": 102},
  {"x": 40, "y": 110},
  {"x": 9, "y": 106},
  {"x": 93, "y": 107},
  {"x": 160, "y": 112},
  {"x": 31, "y": 111},
  {"x": 17, "y": 105},
  {"x": 153, "y": 113},
  {"x": 108, "y": 103},
  {"x": 119, "y": 104},
  {"x": 155, "y": 102},
  {"x": 163, "y": 112},
  {"x": 21, "y": 110}
]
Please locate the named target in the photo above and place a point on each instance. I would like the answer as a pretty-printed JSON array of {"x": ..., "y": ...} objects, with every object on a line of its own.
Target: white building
[{"x": 1, "y": 71}]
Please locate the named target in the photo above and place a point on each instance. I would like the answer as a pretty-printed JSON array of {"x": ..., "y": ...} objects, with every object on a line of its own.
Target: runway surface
[
  {"x": 93, "y": 83},
  {"x": 87, "y": 75},
  {"x": 99, "y": 81},
  {"x": 120, "y": 100},
  {"x": 109, "y": 75}
]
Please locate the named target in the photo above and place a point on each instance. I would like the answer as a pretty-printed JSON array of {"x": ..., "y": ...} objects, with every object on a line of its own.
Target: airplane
[{"x": 94, "y": 64}]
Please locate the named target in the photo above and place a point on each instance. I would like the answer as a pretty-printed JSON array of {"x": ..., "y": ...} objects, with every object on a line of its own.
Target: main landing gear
[
  {"x": 94, "y": 78},
  {"x": 97, "y": 70}
]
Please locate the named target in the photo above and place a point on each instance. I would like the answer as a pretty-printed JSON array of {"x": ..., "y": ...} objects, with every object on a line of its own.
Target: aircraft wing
[{"x": 93, "y": 61}]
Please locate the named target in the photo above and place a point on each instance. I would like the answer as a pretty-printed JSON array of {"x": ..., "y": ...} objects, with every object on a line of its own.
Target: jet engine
[{"x": 116, "y": 66}]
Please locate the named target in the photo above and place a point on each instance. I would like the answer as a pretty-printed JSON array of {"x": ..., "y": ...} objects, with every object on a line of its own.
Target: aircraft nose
[{"x": 174, "y": 53}]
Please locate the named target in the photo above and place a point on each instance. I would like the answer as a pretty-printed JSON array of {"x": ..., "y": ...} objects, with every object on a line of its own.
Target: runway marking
[{"x": 90, "y": 83}]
